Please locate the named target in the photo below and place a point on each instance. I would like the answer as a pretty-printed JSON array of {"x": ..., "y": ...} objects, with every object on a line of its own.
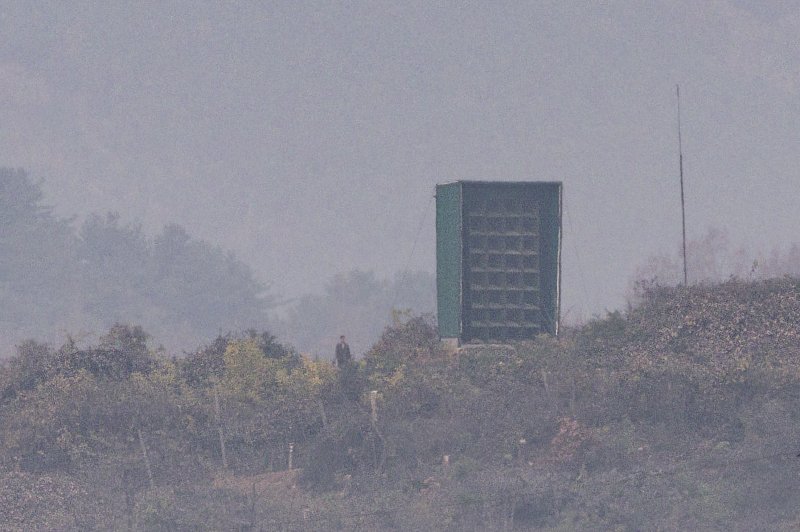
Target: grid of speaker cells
[{"x": 502, "y": 274}]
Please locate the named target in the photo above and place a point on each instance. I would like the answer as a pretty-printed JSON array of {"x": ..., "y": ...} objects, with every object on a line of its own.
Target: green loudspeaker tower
[{"x": 498, "y": 260}]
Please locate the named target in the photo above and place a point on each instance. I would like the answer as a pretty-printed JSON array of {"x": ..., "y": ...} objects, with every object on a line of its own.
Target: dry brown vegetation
[{"x": 680, "y": 413}]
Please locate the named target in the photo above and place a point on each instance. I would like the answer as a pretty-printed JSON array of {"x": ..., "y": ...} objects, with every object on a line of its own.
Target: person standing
[{"x": 343, "y": 356}]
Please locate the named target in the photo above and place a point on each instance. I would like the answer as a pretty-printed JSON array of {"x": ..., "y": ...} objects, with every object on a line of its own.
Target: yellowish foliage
[{"x": 247, "y": 372}]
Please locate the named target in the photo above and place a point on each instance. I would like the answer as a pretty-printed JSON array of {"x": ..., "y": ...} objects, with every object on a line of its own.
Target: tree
[
  {"x": 55, "y": 279},
  {"x": 38, "y": 269}
]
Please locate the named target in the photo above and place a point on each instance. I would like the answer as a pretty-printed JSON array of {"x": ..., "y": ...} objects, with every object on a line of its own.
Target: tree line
[{"x": 57, "y": 278}]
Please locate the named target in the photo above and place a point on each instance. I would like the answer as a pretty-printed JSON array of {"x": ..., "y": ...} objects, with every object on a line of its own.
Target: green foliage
[
  {"x": 408, "y": 340},
  {"x": 248, "y": 373},
  {"x": 44, "y": 502},
  {"x": 207, "y": 364},
  {"x": 678, "y": 414}
]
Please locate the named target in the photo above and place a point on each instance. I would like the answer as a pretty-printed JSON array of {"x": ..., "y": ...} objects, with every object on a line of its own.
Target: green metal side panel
[{"x": 448, "y": 259}]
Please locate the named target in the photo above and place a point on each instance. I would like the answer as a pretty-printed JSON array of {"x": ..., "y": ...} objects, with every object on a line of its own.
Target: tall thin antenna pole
[{"x": 683, "y": 204}]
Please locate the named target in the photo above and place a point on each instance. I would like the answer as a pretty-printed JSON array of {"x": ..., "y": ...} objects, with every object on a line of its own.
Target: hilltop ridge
[{"x": 679, "y": 413}]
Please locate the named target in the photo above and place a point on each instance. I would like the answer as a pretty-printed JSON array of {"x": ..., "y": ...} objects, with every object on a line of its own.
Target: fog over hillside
[
  {"x": 60, "y": 281},
  {"x": 198, "y": 198},
  {"x": 307, "y": 138}
]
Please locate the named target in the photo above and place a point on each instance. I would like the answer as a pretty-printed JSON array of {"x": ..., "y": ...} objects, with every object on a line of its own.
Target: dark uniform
[{"x": 343, "y": 356}]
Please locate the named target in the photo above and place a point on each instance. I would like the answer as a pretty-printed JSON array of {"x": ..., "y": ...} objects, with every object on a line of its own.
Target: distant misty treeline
[
  {"x": 714, "y": 258},
  {"x": 59, "y": 278},
  {"x": 357, "y": 304}
]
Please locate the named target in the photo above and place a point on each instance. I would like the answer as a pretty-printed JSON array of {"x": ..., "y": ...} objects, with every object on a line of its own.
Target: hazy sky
[{"x": 308, "y": 137}]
